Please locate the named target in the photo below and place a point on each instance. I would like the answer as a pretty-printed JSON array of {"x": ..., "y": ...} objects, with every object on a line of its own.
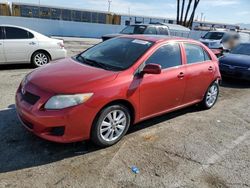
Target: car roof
[{"x": 157, "y": 38}]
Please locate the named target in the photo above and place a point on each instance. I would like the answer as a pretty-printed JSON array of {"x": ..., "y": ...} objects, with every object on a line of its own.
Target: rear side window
[
  {"x": 195, "y": 54},
  {"x": 1, "y": 33},
  {"x": 17, "y": 33},
  {"x": 167, "y": 56}
]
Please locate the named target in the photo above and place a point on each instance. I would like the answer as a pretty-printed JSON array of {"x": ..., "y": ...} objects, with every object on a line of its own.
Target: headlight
[{"x": 64, "y": 101}]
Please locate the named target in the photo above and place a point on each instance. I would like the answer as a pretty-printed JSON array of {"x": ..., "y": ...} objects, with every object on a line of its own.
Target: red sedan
[{"x": 99, "y": 93}]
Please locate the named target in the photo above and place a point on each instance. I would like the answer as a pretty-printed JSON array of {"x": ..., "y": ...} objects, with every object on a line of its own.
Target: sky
[{"x": 225, "y": 11}]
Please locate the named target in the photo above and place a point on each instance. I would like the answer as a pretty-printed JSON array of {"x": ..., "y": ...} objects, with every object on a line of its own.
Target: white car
[{"x": 22, "y": 45}]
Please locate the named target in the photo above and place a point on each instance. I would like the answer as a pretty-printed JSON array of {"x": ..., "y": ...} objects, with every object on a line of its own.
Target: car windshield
[
  {"x": 214, "y": 35},
  {"x": 243, "y": 49},
  {"x": 115, "y": 54},
  {"x": 134, "y": 29}
]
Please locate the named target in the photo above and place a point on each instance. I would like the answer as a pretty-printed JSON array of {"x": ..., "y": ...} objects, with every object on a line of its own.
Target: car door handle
[
  {"x": 210, "y": 68},
  {"x": 181, "y": 75},
  {"x": 32, "y": 43}
]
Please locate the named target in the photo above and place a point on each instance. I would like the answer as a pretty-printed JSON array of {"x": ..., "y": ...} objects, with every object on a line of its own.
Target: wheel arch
[{"x": 41, "y": 50}]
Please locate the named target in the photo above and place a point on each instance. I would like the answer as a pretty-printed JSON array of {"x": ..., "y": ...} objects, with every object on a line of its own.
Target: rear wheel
[
  {"x": 111, "y": 125},
  {"x": 211, "y": 96},
  {"x": 39, "y": 59}
]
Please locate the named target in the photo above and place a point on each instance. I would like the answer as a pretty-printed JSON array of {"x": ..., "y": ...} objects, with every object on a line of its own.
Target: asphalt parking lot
[{"x": 187, "y": 148}]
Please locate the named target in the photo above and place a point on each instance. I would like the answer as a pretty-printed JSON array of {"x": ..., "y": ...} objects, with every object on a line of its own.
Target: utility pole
[
  {"x": 202, "y": 16},
  {"x": 109, "y": 6}
]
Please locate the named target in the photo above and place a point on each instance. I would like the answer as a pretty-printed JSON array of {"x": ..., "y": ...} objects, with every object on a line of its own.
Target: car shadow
[
  {"x": 21, "y": 149},
  {"x": 15, "y": 66},
  {"x": 235, "y": 83}
]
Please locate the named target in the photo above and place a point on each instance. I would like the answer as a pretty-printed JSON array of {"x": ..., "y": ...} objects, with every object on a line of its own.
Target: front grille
[
  {"x": 30, "y": 98},
  {"x": 206, "y": 43}
]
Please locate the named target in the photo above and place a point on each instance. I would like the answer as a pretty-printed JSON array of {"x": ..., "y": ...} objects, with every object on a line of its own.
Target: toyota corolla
[{"x": 99, "y": 93}]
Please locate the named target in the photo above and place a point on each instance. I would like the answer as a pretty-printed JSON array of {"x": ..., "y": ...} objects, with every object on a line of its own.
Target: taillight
[{"x": 60, "y": 44}]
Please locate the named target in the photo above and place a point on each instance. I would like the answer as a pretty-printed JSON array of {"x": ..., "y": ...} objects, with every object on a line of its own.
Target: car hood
[
  {"x": 236, "y": 60},
  {"x": 112, "y": 35},
  {"x": 69, "y": 76},
  {"x": 209, "y": 40}
]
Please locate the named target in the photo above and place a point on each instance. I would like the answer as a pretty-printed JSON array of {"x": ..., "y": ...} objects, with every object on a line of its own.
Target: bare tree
[
  {"x": 186, "y": 22},
  {"x": 191, "y": 20},
  {"x": 178, "y": 12},
  {"x": 182, "y": 11}
]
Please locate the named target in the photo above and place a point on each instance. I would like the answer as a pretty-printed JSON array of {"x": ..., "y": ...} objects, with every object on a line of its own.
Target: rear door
[
  {"x": 19, "y": 44},
  {"x": 2, "y": 56},
  {"x": 162, "y": 92},
  {"x": 199, "y": 72}
]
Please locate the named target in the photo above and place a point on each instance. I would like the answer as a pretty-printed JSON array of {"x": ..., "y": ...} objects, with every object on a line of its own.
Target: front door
[
  {"x": 162, "y": 92},
  {"x": 19, "y": 44}
]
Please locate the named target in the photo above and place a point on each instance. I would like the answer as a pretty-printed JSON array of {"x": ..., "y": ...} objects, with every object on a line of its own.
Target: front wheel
[
  {"x": 211, "y": 96},
  {"x": 111, "y": 125}
]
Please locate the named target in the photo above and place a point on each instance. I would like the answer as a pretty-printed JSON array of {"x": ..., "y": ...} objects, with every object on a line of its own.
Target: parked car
[
  {"x": 236, "y": 64},
  {"x": 220, "y": 40},
  {"x": 99, "y": 93},
  {"x": 22, "y": 45},
  {"x": 146, "y": 29}
]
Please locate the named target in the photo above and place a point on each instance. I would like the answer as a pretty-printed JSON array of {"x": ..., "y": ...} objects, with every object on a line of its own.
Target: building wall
[
  {"x": 77, "y": 29},
  {"x": 62, "y": 28}
]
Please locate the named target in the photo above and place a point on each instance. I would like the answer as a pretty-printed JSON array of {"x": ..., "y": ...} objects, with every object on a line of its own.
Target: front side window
[
  {"x": 150, "y": 31},
  {"x": 134, "y": 29},
  {"x": 17, "y": 33},
  {"x": 167, "y": 56},
  {"x": 195, "y": 54},
  {"x": 115, "y": 54},
  {"x": 163, "y": 31}
]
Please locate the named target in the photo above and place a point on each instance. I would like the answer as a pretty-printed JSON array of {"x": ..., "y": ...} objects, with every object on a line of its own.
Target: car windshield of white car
[
  {"x": 115, "y": 54},
  {"x": 214, "y": 35}
]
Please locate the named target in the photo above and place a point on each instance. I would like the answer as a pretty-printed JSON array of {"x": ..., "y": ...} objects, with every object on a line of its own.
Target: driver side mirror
[{"x": 152, "y": 69}]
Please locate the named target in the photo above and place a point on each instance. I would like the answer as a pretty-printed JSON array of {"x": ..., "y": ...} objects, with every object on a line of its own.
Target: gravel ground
[{"x": 187, "y": 148}]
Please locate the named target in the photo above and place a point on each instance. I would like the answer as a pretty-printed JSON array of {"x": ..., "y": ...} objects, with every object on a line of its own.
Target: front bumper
[
  {"x": 74, "y": 124},
  {"x": 234, "y": 72}
]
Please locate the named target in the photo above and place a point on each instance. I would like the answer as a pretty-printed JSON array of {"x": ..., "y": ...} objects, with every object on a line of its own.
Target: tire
[
  {"x": 211, "y": 96},
  {"x": 107, "y": 131},
  {"x": 39, "y": 59}
]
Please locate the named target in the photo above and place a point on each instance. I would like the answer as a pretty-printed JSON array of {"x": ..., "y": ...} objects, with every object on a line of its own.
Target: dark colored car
[
  {"x": 145, "y": 29},
  {"x": 99, "y": 93},
  {"x": 236, "y": 64}
]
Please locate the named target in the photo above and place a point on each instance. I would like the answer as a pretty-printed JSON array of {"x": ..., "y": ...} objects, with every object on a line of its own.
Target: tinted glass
[
  {"x": 117, "y": 53},
  {"x": 1, "y": 33},
  {"x": 55, "y": 14},
  {"x": 45, "y": 12},
  {"x": 214, "y": 35},
  {"x": 94, "y": 17},
  {"x": 16, "y": 33},
  {"x": 66, "y": 14},
  {"x": 163, "y": 31},
  {"x": 29, "y": 11},
  {"x": 86, "y": 16},
  {"x": 134, "y": 29},
  {"x": 243, "y": 49},
  {"x": 150, "y": 31},
  {"x": 102, "y": 18},
  {"x": 76, "y": 15},
  {"x": 195, "y": 53},
  {"x": 167, "y": 56}
]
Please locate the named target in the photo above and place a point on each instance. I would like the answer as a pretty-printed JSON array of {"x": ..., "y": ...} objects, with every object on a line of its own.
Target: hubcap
[
  {"x": 113, "y": 125},
  {"x": 211, "y": 95},
  {"x": 41, "y": 59}
]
